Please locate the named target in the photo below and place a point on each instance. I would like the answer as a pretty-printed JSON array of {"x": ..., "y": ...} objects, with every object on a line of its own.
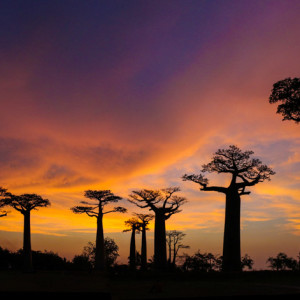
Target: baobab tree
[
  {"x": 96, "y": 210},
  {"x": 134, "y": 226},
  {"x": 144, "y": 220},
  {"x": 287, "y": 92},
  {"x": 164, "y": 204},
  {"x": 3, "y": 193},
  {"x": 245, "y": 172},
  {"x": 174, "y": 243},
  {"x": 24, "y": 204}
]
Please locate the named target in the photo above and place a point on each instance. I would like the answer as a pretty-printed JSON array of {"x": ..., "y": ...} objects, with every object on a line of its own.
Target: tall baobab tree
[
  {"x": 24, "y": 204},
  {"x": 134, "y": 226},
  {"x": 287, "y": 92},
  {"x": 164, "y": 204},
  {"x": 245, "y": 172},
  {"x": 144, "y": 220},
  {"x": 96, "y": 209},
  {"x": 174, "y": 243}
]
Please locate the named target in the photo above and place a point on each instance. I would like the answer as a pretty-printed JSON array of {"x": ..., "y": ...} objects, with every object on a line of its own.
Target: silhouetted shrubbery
[
  {"x": 203, "y": 262},
  {"x": 282, "y": 262},
  {"x": 46, "y": 260}
]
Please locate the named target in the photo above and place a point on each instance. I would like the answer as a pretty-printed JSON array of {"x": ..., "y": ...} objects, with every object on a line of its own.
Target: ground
[{"x": 272, "y": 285}]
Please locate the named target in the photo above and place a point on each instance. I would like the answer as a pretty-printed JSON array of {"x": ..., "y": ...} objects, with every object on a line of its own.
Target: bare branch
[
  {"x": 119, "y": 209},
  {"x": 236, "y": 162},
  {"x": 162, "y": 200}
]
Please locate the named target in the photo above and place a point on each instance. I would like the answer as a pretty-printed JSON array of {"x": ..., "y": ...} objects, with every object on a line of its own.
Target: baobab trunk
[
  {"x": 174, "y": 256},
  {"x": 132, "y": 255},
  {"x": 170, "y": 253},
  {"x": 27, "y": 242},
  {"x": 160, "y": 249},
  {"x": 99, "y": 252},
  {"x": 144, "y": 250},
  {"x": 232, "y": 242}
]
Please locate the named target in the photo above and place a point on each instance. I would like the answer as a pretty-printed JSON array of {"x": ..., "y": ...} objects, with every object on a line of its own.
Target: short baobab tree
[
  {"x": 287, "y": 93},
  {"x": 25, "y": 204},
  {"x": 164, "y": 204},
  {"x": 245, "y": 172},
  {"x": 95, "y": 209},
  {"x": 144, "y": 220},
  {"x": 134, "y": 226}
]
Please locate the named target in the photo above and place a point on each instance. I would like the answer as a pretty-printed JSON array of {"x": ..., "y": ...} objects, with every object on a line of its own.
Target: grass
[{"x": 153, "y": 286}]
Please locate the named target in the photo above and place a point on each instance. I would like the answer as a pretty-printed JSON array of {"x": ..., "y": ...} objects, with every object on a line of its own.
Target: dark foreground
[{"x": 79, "y": 285}]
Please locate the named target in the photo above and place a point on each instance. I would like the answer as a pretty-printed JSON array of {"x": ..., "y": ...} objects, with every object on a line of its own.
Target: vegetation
[
  {"x": 174, "y": 239},
  {"x": 202, "y": 262},
  {"x": 46, "y": 260},
  {"x": 144, "y": 220},
  {"x": 287, "y": 92},
  {"x": 164, "y": 204},
  {"x": 282, "y": 262},
  {"x": 245, "y": 172},
  {"x": 134, "y": 226},
  {"x": 86, "y": 261},
  {"x": 25, "y": 204},
  {"x": 3, "y": 213},
  {"x": 96, "y": 209}
]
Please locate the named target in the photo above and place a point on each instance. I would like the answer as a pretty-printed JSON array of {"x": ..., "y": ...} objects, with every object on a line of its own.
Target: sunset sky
[{"x": 125, "y": 95}]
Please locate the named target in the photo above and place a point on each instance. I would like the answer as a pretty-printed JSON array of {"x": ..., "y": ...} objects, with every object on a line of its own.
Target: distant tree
[
  {"x": 282, "y": 262},
  {"x": 247, "y": 261},
  {"x": 287, "y": 92},
  {"x": 96, "y": 210},
  {"x": 174, "y": 239},
  {"x": 111, "y": 253},
  {"x": 48, "y": 260},
  {"x": 24, "y": 204},
  {"x": 203, "y": 262},
  {"x": 144, "y": 220},
  {"x": 164, "y": 204},
  {"x": 134, "y": 226},
  {"x": 3, "y": 192},
  {"x": 245, "y": 172},
  {"x": 5, "y": 259},
  {"x": 81, "y": 262}
]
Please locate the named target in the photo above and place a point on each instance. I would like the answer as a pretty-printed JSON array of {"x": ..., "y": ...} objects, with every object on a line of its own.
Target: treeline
[
  {"x": 48, "y": 260},
  {"x": 198, "y": 262}
]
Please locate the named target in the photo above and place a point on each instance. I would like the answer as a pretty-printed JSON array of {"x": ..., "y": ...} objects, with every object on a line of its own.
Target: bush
[{"x": 282, "y": 262}]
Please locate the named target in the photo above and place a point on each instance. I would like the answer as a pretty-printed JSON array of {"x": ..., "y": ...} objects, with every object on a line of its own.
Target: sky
[{"x": 126, "y": 95}]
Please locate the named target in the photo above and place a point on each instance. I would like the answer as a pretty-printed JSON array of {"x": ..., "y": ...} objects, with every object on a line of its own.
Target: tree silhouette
[
  {"x": 24, "y": 204},
  {"x": 144, "y": 220},
  {"x": 111, "y": 252},
  {"x": 134, "y": 226},
  {"x": 3, "y": 193},
  {"x": 287, "y": 92},
  {"x": 174, "y": 239},
  {"x": 164, "y": 204},
  {"x": 282, "y": 262},
  {"x": 96, "y": 210},
  {"x": 245, "y": 172},
  {"x": 247, "y": 261},
  {"x": 203, "y": 262}
]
